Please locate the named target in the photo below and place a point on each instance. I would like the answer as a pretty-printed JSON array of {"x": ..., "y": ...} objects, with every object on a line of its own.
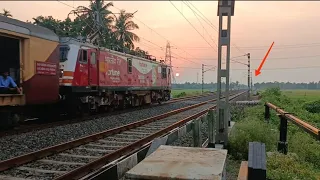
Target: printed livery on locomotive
[{"x": 98, "y": 78}]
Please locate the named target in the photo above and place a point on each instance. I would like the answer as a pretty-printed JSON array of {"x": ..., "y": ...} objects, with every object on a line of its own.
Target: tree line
[
  {"x": 97, "y": 23},
  {"x": 288, "y": 85},
  {"x": 210, "y": 86}
]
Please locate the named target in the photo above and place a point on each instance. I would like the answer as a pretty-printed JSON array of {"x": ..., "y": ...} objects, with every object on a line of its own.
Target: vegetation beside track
[
  {"x": 303, "y": 159},
  {"x": 177, "y": 93}
]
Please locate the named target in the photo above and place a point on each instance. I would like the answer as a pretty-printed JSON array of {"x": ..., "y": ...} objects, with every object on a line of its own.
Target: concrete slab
[{"x": 173, "y": 162}]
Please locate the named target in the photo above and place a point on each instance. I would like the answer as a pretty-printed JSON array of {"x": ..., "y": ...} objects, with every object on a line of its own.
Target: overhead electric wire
[
  {"x": 192, "y": 25},
  {"x": 195, "y": 14},
  {"x": 264, "y": 47},
  {"x": 214, "y": 27},
  {"x": 160, "y": 35},
  {"x": 280, "y": 68},
  {"x": 258, "y": 59}
]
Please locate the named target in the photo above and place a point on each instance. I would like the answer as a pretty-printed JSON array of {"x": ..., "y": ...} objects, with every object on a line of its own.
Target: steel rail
[
  {"x": 10, "y": 163},
  {"x": 302, "y": 124},
  {"x": 84, "y": 170},
  {"x": 4, "y": 165},
  {"x": 28, "y": 128}
]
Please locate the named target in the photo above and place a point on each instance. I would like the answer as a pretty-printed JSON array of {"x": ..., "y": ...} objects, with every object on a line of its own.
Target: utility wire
[
  {"x": 297, "y": 57},
  {"x": 160, "y": 35},
  {"x": 281, "y": 68},
  {"x": 263, "y": 47},
  {"x": 214, "y": 27},
  {"x": 192, "y": 25},
  {"x": 196, "y": 15}
]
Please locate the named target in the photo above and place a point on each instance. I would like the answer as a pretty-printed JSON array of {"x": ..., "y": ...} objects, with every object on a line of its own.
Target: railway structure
[
  {"x": 42, "y": 124},
  {"x": 75, "y": 159},
  {"x": 66, "y": 75}
]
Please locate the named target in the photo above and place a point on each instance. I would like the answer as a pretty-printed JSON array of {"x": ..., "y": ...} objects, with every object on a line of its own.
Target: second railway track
[
  {"x": 38, "y": 126},
  {"x": 77, "y": 158}
]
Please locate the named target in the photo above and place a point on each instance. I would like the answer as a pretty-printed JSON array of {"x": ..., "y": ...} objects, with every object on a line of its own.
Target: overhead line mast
[{"x": 168, "y": 61}]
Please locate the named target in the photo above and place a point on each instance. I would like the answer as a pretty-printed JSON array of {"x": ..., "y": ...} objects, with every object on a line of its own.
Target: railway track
[
  {"x": 75, "y": 159},
  {"x": 35, "y": 125}
]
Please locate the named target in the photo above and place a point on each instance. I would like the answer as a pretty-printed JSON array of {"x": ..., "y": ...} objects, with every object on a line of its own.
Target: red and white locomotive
[{"x": 93, "y": 78}]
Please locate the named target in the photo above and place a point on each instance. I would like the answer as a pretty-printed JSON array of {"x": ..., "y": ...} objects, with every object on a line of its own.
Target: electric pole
[
  {"x": 251, "y": 83},
  {"x": 202, "y": 77},
  {"x": 168, "y": 61},
  {"x": 225, "y": 10},
  {"x": 249, "y": 89},
  {"x": 197, "y": 77}
]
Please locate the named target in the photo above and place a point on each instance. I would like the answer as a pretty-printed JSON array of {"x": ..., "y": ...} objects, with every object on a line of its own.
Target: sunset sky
[{"x": 293, "y": 26}]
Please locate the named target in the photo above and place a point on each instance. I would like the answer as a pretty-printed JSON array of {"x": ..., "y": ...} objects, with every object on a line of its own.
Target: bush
[
  {"x": 306, "y": 147},
  {"x": 289, "y": 167},
  {"x": 313, "y": 107},
  {"x": 248, "y": 130},
  {"x": 182, "y": 94}
]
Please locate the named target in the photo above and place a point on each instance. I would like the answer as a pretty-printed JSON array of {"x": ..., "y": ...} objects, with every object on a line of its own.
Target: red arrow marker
[{"x": 257, "y": 71}]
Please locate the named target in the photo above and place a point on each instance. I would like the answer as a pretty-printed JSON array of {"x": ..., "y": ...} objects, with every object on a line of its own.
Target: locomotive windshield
[{"x": 64, "y": 53}]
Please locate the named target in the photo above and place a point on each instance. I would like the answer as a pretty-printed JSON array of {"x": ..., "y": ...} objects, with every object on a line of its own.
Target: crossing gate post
[
  {"x": 212, "y": 130},
  {"x": 266, "y": 113},
  {"x": 283, "y": 144},
  {"x": 196, "y": 125}
]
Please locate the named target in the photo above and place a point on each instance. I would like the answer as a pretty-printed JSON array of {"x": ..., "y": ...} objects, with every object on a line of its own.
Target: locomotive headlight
[{"x": 61, "y": 73}]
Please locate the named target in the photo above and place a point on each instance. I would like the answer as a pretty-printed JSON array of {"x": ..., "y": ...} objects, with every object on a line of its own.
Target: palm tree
[
  {"x": 97, "y": 19},
  {"x": 6, "y": 13},
  {"x": 122, "y": 30}
]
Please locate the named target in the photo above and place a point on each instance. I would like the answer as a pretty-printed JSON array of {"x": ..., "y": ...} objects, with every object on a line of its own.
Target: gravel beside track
[
  {"x": 12, "y": 146},
  {"x": 95, "y": 149}
]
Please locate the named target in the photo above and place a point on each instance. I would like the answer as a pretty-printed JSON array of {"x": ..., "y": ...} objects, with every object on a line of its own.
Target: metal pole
[
  {"x": 248, "y": 76},
  {"x": 282, "y": 144},
  {"x": 196, "y": 133},
  {"x": 212, "y": 130},
  {"x": 251, "y": 82},
  {"x": 266, "y": 113},
  {"x": 202, "y": 77}
]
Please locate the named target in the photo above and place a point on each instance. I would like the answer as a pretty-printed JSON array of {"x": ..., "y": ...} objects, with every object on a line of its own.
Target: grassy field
[
  {"x": 187, "y": 92},
  {"x": 303, "y": 159},
  {"x": 309, "y": 95}
]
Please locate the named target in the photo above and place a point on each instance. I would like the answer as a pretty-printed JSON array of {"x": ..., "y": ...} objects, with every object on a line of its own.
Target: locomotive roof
[
  {"x": 69, "y": 40},
  {"x": 27, "y": 29}
]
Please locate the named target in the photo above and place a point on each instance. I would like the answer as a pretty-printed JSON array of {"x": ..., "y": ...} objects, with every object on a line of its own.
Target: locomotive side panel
[
  {"x": 39, "y": 57},
  {"x": 127, "y": 72},
  {"x": 41, "y": 77}
]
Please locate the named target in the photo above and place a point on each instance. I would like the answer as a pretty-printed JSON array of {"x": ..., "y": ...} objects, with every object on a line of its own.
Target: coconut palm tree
[
  {"x": 122, "y": 30},
  {"x": 6, "y": 13},
  {"x": 97, "y": 18}
]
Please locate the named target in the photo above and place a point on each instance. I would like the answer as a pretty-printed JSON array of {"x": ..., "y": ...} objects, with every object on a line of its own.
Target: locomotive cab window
[
  {"x": 164, "y": 72},
  {"x": 64, "y": 50},
  {"x": 129, "y": 65},
  {"x": 93, "y": 58},
  {"x": 83, "y": 56},
  {"x": 10, "y": 61}
]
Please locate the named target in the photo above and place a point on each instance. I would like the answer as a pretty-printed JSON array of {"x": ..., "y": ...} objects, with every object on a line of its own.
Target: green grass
[
  {"x": 303, "y": 160},
  {"x": 308, "y": 95},
  {"x": 176, "y": 93}
]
